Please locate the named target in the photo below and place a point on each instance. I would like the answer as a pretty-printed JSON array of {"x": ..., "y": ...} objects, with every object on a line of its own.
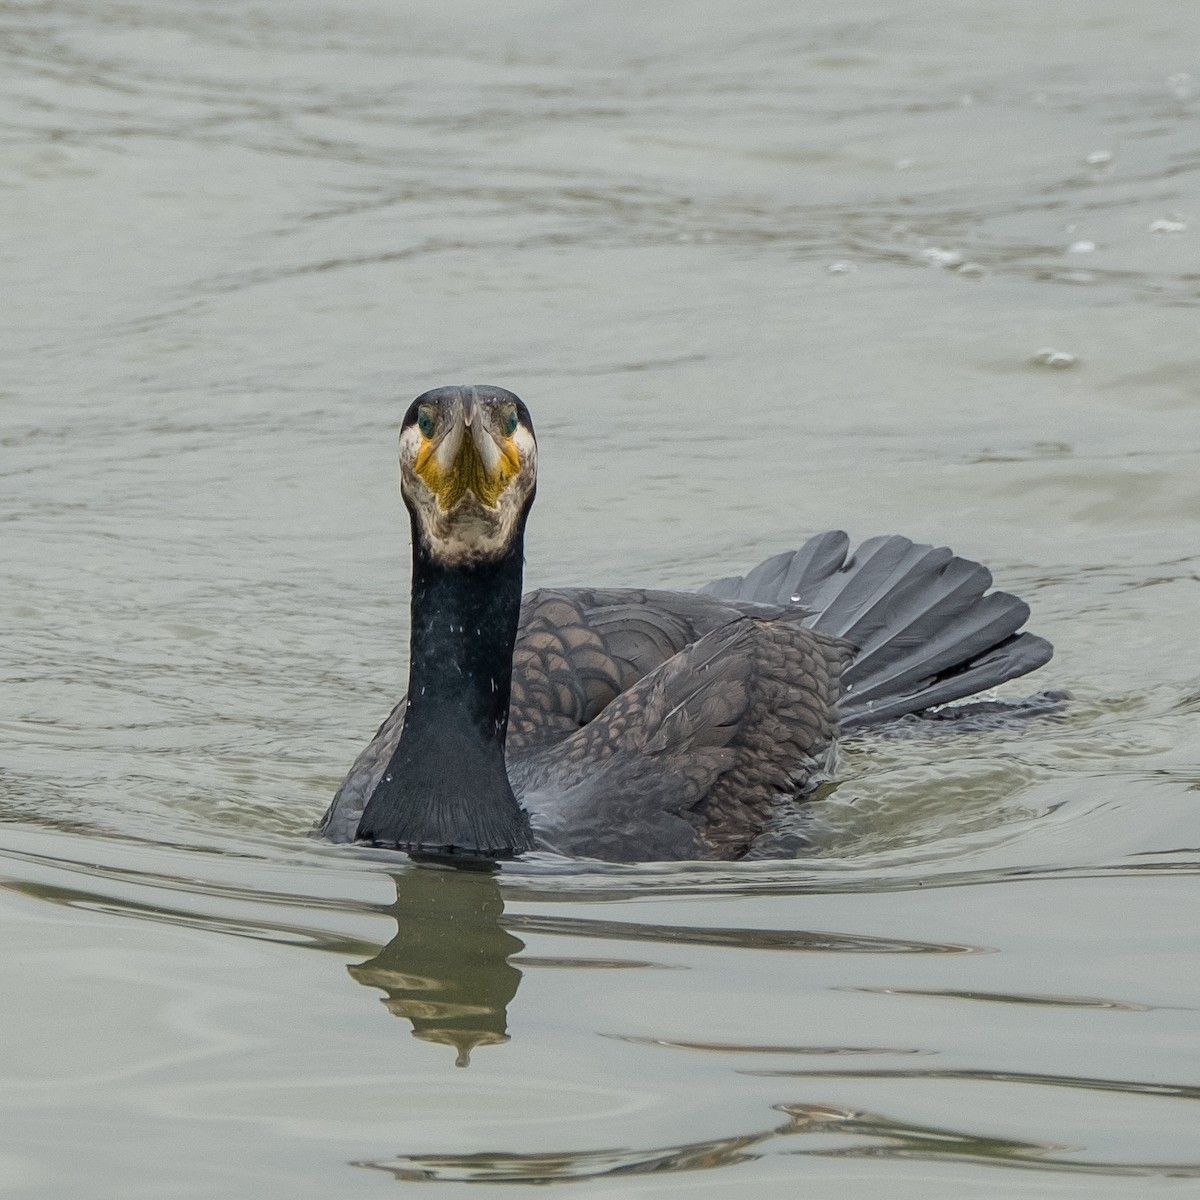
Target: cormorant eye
[
  {"x": 508, "y": 423},
  {"x": 426, "y": 420}
]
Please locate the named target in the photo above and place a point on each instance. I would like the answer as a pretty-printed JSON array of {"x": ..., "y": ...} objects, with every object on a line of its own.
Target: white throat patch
[{"x": 469, "y": 531}]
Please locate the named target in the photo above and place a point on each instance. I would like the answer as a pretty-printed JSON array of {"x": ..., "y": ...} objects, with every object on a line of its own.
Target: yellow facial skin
[{"x": 466, "y": 470}]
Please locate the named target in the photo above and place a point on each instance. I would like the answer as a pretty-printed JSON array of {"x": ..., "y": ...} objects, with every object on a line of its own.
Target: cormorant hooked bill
[{"x": 634, "y": 725}]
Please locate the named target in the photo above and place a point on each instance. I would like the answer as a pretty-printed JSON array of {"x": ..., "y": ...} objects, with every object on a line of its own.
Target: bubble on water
[
  {"x": 1083, "y": 246},
  {"x": 841, "y": 267},
  {"x": 972, "y": 270},
  {"x": 1099, "y": 158},
  {"x": 1058, "y": 359},
  {"x": 1181, "y": 85},
  {"x": 388, "y": 777},
  {"x": 938, "y": 257},
  {"x": 903, "y": 164},
  {"x": 1169, "y": 224}
]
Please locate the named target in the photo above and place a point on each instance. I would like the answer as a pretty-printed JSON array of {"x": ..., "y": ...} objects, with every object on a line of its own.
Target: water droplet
[
  {"x": 841, "y": 267},
  {"x": 1171, "y": 224},
  {"x": 388, "y": 777},
  {"x": 905, "y": 164},
  {"x": 1099, "y": 158},
  {"x": 972, "y": 270},
  {"x": 1058, "y": 359},
  {"x": 938, "y": 257},
  {"x": 1083, "y": 246}
]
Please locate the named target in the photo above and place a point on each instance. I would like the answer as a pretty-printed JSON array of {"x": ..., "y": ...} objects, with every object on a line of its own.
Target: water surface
[{"x": 757, "y": 272}]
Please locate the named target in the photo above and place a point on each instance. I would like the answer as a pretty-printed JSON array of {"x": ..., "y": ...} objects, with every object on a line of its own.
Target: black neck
[
  {"x": 464, "y": 623},
  {"x": 446, "y": 789}
]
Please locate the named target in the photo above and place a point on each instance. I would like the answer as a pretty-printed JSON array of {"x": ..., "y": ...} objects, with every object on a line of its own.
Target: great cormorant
[{"x": 635, "y": 725}]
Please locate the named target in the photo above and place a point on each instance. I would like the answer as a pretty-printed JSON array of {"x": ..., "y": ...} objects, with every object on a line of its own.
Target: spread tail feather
[{"x": 926, "y": 628}]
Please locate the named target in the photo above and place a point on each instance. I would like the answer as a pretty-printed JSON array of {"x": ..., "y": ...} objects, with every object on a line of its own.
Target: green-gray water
[{"x": 758, "y": 270}]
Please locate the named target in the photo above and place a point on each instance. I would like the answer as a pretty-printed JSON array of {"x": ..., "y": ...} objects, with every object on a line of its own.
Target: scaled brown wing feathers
[
  {"x": 700, "y": 748},
  {"x": 579, "y": 648}
]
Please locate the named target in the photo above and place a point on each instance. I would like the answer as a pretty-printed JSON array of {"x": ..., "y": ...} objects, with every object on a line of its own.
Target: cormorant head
[{"x": 468, "y": 471}]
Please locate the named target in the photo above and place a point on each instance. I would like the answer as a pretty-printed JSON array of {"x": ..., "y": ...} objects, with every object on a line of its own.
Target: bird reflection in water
[{"x": 447, "y": 970}]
